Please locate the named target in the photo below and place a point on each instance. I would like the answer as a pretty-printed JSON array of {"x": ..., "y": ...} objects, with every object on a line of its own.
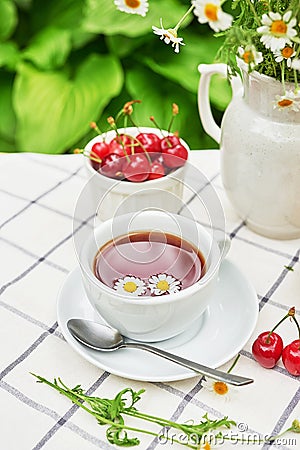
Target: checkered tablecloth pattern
[{"x": 38, "y": 194}]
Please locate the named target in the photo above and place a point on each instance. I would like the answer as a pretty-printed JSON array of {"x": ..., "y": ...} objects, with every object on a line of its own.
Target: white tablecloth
[{"x": 38, "y": 194}]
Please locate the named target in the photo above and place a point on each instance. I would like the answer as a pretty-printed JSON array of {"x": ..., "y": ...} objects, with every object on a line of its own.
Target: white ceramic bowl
[
  {"x": 151, "y": 318},
  {"x": 112, "y": 197}
]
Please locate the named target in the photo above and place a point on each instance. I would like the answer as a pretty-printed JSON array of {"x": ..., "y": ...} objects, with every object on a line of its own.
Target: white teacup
[
  {"x": 151, "y": 318},
  {"x": 111, "y": 197}
]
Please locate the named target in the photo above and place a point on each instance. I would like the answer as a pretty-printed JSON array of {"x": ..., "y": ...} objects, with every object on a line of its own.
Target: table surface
[{"x": 38, "y": 194}]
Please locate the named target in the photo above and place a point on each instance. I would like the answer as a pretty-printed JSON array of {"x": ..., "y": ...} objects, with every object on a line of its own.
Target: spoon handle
[{"x": 212, "y": 373}]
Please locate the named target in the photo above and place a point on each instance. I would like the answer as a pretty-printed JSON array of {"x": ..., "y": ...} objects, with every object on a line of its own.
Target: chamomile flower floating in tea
[
  {"x": 133, "y": 6},
  {"x": 163, "y": 284},
  {"x": 129, "y": 285}
]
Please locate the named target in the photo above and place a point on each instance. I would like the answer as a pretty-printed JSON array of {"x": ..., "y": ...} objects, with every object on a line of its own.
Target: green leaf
[
  {"x": 182, "y": 68},
  {"x": 8, "y": 118},
  {"x": 9, "y": 55},
  {"x": 54, "y": 111},
  {"x": 49, "y": 49},
  {"x": 6, "y": 146},
  {"x": 65, "y": 14},
  {"x": 102, "y": 16},
  {"x": 157, "y": 96},
  {"x": 8, "y": 19}
]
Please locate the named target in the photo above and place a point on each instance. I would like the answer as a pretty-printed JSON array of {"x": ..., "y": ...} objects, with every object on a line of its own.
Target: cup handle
[{"x": 224, "y": 246}]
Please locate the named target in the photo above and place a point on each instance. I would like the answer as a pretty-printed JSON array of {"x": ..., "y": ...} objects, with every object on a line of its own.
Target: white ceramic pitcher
[{"x": 260, "y": 152}]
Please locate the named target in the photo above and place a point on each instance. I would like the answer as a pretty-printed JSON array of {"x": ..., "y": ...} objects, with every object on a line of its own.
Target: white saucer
[{"x": 223, "y": 330}]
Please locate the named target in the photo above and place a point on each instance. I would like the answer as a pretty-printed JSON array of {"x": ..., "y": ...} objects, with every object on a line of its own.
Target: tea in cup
[{"x": 151, "y": 274}]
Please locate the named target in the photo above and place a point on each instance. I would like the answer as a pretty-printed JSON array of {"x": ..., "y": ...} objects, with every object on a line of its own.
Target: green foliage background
[{"x": 66, "y": 63}]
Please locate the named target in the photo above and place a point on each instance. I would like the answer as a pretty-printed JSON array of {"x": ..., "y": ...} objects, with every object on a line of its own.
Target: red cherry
[
  {"x": 112, "y": 166},
  {"x": 137, "y": 169},
  {"x": 149, "y": 141},
  {"x": 267, "y": 349},
  {"x": 157, "y": 170},
  {"x": 169, "y": 141},
  {"x": 122, "y": 145},
  {"x": 291, "y": 357},
  {"x": 175, "y": 156},
  {"x": 116, "y": 148},
  {"x": 100, "y": 150}
]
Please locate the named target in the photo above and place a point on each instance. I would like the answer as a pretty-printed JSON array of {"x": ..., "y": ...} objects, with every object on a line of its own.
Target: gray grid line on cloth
[
  {"x": 41, "y": 205},
  {"x": 207, "y": 183},
  {"x": 29, "y": 350},
  {"x": 32, "y": 158},
  {"x": 278, "y": 305},
  {"x": 264, "y": 300},
  {"x": 234, "y": 235},
  {"x": 180, "y": 408},
  {"x": 72, "y": 410},
  {"x": 59, "y": 183},
  {"x": 33, "y": 255},
  {"x": 54, "y": 415},
  {"x": 49, "y": 330},
  {"x": 263, "y": 247},
  {"x": 278, "y": 369},
  {"x": 42, "y": 258},
  {"x": 285, "y": 416},
  {"x": 28, "y": 318},
  {"x": 177, "y": 392}
]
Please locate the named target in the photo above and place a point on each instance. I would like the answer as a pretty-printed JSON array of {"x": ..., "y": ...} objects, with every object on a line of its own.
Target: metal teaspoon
[{"x": 104, "y": 338}]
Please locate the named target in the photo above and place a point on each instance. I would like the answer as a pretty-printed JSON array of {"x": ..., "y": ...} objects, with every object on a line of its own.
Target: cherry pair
[{"x": 268, "y": 348}]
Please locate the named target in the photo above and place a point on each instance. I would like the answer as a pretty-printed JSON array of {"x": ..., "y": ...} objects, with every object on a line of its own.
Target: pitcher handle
[{"x": 208, "y": 122}]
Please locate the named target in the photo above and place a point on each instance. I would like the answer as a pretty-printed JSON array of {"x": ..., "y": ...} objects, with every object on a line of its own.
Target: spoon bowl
[{"x": 104, "y": 338}]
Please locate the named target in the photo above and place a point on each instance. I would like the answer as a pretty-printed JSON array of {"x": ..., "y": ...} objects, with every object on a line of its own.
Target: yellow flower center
[
  {"x": 287, "y": 52},
  {"x": 285, "y": 102},
  {"x": 206, "y": 446},
  {"x": 211, "y": 12},
  {"x": 220, "y": 387},
  {"x": 130, "y": 286},
  {"x": 133, "y": 3},
  {"x": 278, "y": 27},
  {"x": 163, "y": 285},
  {"x": 248, "y": 57}
]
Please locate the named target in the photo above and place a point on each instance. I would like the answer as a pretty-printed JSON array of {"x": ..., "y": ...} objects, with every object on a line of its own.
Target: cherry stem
[
  {"x": 298, "y": 327},
  {"x": 80, "y": 151},
  {"x": 291, "y": 313},
  {"x": 95, "y": 127},
  {"x": 234, "y": 363}
]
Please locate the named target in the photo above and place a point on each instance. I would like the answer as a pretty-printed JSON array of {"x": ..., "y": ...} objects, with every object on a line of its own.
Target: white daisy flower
[
  {"x": 277, "y": 30},
  {"x": 286, "y": 102},
  {"x": 286, "y": 53},
  {"x": 169, "y": 36},
  {"x": 133, "y": 6},
  {"x": 219, "y": 388},
  {"x": 296, "y": 64},
  {"x": 210, "y": 11},
  {"x": 163, "y": 284},
  {"x": 249, "y": 57},
  {"x": 130, "y": 285}
]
